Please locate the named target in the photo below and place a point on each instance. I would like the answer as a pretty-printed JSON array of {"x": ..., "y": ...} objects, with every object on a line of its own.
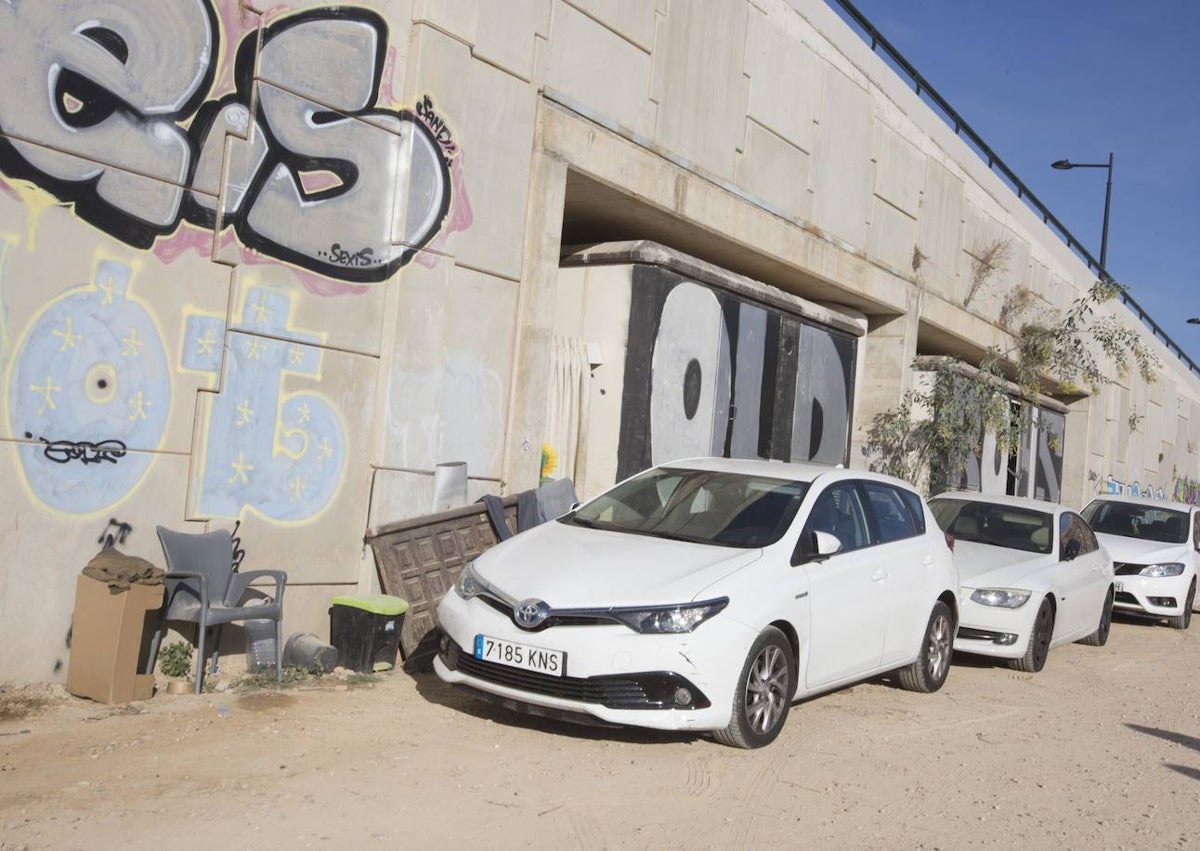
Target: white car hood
[
  {"x": 987, "y": 566},
  {"x": 1137, "y": 551},
  {"x": 570, "y": 566}
]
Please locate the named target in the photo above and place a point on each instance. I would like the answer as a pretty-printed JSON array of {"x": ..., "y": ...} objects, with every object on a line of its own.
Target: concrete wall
[{"x": 271, "y": 263}]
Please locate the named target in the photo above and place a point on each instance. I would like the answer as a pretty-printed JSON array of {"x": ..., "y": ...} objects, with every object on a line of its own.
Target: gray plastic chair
[{"x": 203, "y": 588}]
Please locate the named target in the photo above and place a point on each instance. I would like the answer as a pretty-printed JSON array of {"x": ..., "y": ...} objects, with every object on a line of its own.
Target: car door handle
[
  {"x": 928, "y": 561},
  {"x": 879, "y": 575}
]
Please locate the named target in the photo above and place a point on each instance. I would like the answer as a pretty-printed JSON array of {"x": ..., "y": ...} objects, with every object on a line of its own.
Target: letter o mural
[
  {"x": 689, "y": 403},
  {"x": 88, "y": 388}
]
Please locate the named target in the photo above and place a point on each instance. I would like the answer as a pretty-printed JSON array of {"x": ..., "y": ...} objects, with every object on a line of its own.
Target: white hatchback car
[
  {"x": 1154, "y": 547},
  {"x": 707, "y": 595},
  {"x": 1033, "y": 576}
]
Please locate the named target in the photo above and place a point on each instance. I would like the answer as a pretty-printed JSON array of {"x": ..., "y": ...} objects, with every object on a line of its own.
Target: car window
[
  {"x": 838, "y": 511},
  {"x": 892, "y": 519},
  {"x": 1196, "y": 530},
  {"x": 701, "y": 506},
  {"x": 1134, "y": 520},
  {"x": 915, "y": 508},
  {"x": 1074, "y": 528},
  {"x": 997, "y": 524}
]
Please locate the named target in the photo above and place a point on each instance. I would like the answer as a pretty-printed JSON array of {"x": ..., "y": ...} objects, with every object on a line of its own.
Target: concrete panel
[
  {"x": 899, "y": 170},
  {"x": 42, "y": 553},
  {"x": 940, "y": 230},
  {"x": 589, "y": 63},
  {"x": 460, "y": 18},
  {"x": 492, "y": 117},
  {"x": 93, "y": 339},
  {"x": 776, "y": 172},
  {"x": 842, "y": 161},
  {"x": 506, "y": 34},
  {"x": 702, "y": 94},
  {"x": 785, "y": 97},
  {"x": 633, "y": 19},
  {"x": 284, "y": 447},
  {"x": 447, "y": 374},
  {"x": 1152, "y": 448},
  {"x": 272, "y": 299},
  {"x": 892, "y": 237}
]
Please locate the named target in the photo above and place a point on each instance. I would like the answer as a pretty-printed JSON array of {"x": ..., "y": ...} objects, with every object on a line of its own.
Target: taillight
[{"x": 950, "y": 541}]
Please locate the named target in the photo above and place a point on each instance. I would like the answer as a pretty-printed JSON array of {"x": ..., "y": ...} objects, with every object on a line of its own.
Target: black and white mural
[{"x": 711, "y": 373}]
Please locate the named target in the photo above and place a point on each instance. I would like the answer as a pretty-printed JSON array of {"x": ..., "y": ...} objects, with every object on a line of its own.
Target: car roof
[
  {"x": 1004, "y": 499},
  {"x": 785, "y": 470},
  {"x": 1169, "y": 504}
]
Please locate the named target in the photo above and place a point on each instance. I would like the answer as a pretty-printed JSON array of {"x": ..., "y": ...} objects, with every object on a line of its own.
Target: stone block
[
  {"x": 775, "y": 172},
  {"x": 841, "y": 164},
  {"x": 785, "y": 96},
  {"x": 590, "y": 64}
]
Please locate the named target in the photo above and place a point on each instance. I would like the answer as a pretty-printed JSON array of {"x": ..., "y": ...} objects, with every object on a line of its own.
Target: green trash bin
[{"x": 366, "y": 631}]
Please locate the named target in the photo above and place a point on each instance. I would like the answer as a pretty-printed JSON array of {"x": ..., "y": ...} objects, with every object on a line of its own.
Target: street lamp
[{"x": 1066, "y": 165}]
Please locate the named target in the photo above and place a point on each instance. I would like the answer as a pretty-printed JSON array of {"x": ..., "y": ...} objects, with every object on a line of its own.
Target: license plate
[
  {"x": 1120, "y": 586},
  {"x": 537, "y": 659}
]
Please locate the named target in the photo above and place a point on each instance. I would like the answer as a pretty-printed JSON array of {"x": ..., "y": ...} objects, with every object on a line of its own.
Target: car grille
[
  {"x": 1121, "y": 568},
  {"x": 1125, "y": 597},
  {"x": 653, "y": 690},
  {"x": 554, "y": 620}
]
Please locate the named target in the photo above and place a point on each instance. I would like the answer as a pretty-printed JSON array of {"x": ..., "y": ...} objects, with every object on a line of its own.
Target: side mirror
[
  {"x": 820, "y": 546},
  {"x": 1071, "y": 550}
]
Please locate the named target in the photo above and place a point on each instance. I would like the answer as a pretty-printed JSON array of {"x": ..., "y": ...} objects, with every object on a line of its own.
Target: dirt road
[{"x": 1100, "y": 750}]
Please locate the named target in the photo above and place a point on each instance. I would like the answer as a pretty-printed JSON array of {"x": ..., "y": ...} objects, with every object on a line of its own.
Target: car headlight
[
  {"x": 669, "y": 619},
  {"x": 469, "y": 584},
  {"x": 1170, "y": 568},
  {"x": 1008, "y": 598}
]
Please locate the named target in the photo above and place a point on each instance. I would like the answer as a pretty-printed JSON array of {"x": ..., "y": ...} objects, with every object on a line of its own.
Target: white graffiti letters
[{"x": 91, "y": 96}]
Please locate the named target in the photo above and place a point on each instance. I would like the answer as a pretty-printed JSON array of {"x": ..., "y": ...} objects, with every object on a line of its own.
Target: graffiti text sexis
[{"x": 110, "y": 106}]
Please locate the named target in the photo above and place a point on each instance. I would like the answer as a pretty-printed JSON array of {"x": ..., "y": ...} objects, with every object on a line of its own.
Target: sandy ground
[{"x": 1100, "y": 750}]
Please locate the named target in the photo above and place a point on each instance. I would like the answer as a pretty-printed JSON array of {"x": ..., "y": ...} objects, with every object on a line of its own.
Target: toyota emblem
[{"x": 530, "y": 613}]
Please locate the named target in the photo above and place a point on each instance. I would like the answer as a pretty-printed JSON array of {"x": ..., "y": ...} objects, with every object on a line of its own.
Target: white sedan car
[
  {"x": 707, "y": 595},
  {"x": 1154, "y": 548},
  {"x": 1033, "y": 576}
]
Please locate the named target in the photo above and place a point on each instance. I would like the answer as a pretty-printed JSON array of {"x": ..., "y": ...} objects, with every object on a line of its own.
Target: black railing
[{"x": 961, "y": 128}]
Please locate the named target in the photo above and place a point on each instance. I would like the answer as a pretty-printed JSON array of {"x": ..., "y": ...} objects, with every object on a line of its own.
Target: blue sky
[{"x": 1043, "y": 80}]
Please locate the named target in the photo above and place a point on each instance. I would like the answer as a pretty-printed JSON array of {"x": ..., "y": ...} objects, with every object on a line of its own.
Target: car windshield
[
  {"x": 1144, "y": 522},
  {"x": 995, "y": 524},
  {"x": 702, "y": 506}
]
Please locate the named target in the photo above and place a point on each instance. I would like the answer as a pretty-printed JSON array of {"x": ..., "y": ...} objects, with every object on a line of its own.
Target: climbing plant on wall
[{"x": 929, "y": 437}]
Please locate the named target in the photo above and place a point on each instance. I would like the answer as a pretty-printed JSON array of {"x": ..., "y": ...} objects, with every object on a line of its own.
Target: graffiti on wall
[
  {"x": 280, "y": 453},
  {"x": 115, "y": 111},
  {"x": 725, "y": 378},
  {"x": 1181, "y": 490},
  {"x": 90, "y": 391}
]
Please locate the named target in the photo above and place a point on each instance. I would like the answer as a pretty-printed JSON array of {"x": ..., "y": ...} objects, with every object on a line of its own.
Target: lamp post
[{"x": 1066, "y": 165}]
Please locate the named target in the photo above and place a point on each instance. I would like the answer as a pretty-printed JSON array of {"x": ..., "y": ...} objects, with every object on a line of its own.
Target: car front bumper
[
  {"x": 1149, "y": 595},
  {"x": 994, "y": 630},
  {"x": 611, "y": 673}
]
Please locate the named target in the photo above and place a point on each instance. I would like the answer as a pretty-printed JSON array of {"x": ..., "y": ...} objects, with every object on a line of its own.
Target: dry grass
[{"x": 16, "y": 704}]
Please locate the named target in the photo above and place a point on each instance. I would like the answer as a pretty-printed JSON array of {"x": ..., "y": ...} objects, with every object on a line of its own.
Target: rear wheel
[
  {"x": 928, "y": 671},
  {"x": 1184, "y": 620},
  {"x": 1039, "y": 641},
  {"x": 1100, "y": 637},
  {"x": 764, "y": 693}
]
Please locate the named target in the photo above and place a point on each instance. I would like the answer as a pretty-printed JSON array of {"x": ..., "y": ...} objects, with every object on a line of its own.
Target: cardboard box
[{"x": 110, "y": 641}]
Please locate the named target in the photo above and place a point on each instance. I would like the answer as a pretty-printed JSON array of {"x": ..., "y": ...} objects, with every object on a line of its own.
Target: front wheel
[
  {"x": 928, "y": 671},
  {"x": 1100, "y": 637},
  {"x": 1039, "y": 641},
  {"x": 764, "y": 693},
  {"x": 1184, "y": 620}
]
